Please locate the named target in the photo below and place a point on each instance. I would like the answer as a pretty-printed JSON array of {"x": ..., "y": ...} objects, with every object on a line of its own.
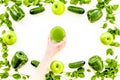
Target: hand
[{"x": 53, "y": 47}]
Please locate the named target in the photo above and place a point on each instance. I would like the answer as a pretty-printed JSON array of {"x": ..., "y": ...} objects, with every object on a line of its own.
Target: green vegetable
[
  {"x": 74, "y": 1},
  {"x": 76, "y": 9},
  {"x": 16, "y": 76},
  {"x": 4, "y": 75},
  {"x": 64, "y": 1},
  {"x": 27, "y": 3},
  {"x": 51, "y": 76},
  {"x": 115, "y": 44},
  {"x": 84, "y": 1},
  {"x": 35, "y": 63},
  {"x": 49, "y": 1},
  {"x": 16, "y": 12},
  {"x": 96, "y": 63},
  {"x": 94, "y": 15},
  {"x": 77, "y": 64},
  {"x": 19, "y": 59},
  {"x": 109, "y": 51},
  {"x": 104, "y": 25},
  {"x": 17, "y": 2},
  {"x": 37, "y": 10},
  {"x": 36, "y": 2}
]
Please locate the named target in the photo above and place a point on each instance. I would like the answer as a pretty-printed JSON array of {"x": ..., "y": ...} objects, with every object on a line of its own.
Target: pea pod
[
  {"x": 96, "y": 63},
  {"x": 94, "y": 15},
  {"x": 19, "y": 59},
  {"x": 74, "y": 9},
  {"x": 37, "y": 10},
  {"x": 16, "y": 12},
  {"x": 77, "y": 64}
]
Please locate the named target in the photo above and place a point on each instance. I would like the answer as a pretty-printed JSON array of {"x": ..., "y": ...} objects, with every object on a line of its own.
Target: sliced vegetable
[
  {"x": 16, "y": 12},
  {"x": 35, "y": 63},
  {"x": 74, "y": 9},
  {"x": 19, "y": 59},
  {"x": 96, "y": 63},
  {"x": 77, "y": 64},
  {"x": 37, "y": 10},
  {"x": 94, "y": 15}
]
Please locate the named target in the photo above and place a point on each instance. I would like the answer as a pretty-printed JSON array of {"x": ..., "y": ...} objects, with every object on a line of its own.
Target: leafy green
[
  {"x": 16, "y": 76},
  {"x": 64, "y": 1},
  {"x": 104, "y": 25},
  {"x": 109, "y": 51},
  {"x": 115, "y": 7},
  {"x": 49, "y": 1},
  {"x": 4, "y": 75},
  {"x": 51, "y": 76},
  {"x": 107, "y": 1}
]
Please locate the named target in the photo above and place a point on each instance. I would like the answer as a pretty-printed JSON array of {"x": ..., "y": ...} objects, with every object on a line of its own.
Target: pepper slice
[
  {"x": 16, "y": 12},
  {"x": 96, "y": 63},
  {"x": 19, "y": 59}
]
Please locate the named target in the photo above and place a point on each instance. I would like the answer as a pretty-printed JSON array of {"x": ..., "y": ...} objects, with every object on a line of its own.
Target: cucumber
[
  {"x": 77, "y": 64},
  {"x": 37, "y": 10},
  {"x": 74, "y": 9}
]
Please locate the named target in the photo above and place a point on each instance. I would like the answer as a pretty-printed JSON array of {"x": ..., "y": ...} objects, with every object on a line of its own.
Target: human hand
[{"x": 54, "y": 47}]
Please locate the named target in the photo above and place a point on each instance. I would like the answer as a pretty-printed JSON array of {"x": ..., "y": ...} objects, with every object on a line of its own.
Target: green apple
[
  {"x": 57, "y": 66},
  {"x": 9, "y": 37},
  {"x": 57, "y": 34},
  {"x": 58, "y": 7},
  {"x": 106, "y": 38}
]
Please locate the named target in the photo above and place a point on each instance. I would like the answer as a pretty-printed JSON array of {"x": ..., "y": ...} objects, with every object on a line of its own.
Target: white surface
[{"x": 82, "y": 37}]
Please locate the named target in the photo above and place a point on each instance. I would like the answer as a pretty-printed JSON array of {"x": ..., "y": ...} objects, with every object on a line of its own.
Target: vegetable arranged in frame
[
  {"x": 19, "y": 59},
  {"x": 37, "y": 10},
  {"x": 77, "y": 64},
  {"x": 94, "y": 15},
  {"x": 74, "y": 9},
  {"x": 96, "y": 63},
  {"x": 16, "y": 13},
  {"x": 35, "y": 63}
]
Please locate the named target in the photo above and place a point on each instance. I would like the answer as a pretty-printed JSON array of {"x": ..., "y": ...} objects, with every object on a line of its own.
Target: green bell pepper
[
  {"x": 19, "y": 59},
  {"x": 94, "y": 15},
  {"x": 16, "y": 12},
  {"x": 35, "y": 63},
  {"x": 96, "y": 63}
]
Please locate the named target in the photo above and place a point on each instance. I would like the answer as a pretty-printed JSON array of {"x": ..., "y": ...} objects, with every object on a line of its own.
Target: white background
[{"x": 82, "y": 37}]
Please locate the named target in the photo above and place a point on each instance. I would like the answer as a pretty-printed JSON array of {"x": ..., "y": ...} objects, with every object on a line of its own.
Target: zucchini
[
  {"x": 77, "y": 64},
  {"x": 37, "y": 10},
  {"x": 74, "y": 9}
]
